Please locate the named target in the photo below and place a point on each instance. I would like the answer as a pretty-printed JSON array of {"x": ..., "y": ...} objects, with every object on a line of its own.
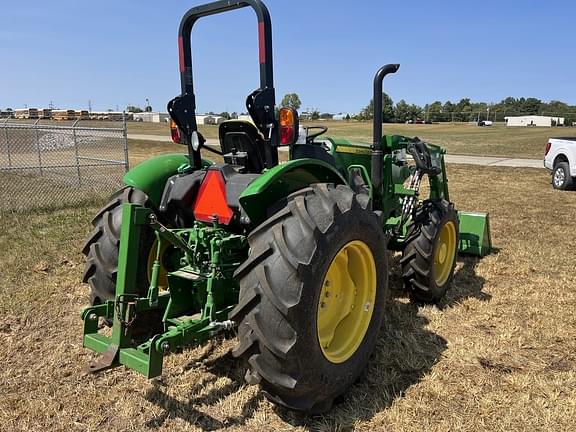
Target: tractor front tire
[
  {"x": 429, "y": 257},
  {"x": 312, "y": 297},
  {"x": 102, "y": 246}
]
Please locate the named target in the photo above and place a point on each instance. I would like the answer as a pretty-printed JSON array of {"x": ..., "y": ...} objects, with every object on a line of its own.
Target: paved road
[
  {"x": 454, "y": 159},
  {"x": 495, "y": 161},
  {"x": 161, "y": 138}
]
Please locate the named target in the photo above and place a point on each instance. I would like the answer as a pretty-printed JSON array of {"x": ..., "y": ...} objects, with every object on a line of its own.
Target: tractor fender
[
  {"x": 151, "y": 175},
  {"x": 282, "y": 180}
]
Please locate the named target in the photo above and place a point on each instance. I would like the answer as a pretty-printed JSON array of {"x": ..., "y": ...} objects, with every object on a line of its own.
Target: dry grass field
[
  {"x": 497, "y": 140},
  {"x": 498, "y": 354},
  {"x": 458, "y": 138},
  {"x": 466, "y": 139}
]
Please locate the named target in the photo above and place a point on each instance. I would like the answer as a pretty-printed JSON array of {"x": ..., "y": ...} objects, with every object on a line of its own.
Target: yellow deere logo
[{"x": 353, "y": 150}]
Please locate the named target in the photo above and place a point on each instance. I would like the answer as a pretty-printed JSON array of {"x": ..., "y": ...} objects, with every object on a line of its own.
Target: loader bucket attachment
[{"x": 475, "y": 234}]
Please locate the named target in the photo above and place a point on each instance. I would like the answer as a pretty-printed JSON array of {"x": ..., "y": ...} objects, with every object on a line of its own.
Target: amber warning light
[
  {"x": 288, "y": 126},
  {"x": 174, "y": 132}
]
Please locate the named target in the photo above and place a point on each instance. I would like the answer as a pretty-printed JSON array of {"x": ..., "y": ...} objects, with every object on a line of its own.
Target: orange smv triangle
[{"x": 211, "y": 202}]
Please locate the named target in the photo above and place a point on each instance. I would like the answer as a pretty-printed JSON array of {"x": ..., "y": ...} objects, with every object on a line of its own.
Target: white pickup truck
[{"x": 560, "y": 159}]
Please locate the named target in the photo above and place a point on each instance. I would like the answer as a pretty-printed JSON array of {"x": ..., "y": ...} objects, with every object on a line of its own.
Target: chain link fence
[{"x": 50, "y": 166}]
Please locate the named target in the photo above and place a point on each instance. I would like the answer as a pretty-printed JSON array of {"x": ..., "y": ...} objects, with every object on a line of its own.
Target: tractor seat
[{"x": 241, "y": 141}]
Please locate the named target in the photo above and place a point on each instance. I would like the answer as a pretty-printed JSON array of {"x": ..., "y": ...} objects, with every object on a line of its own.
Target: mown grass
[
  {"x": 141, "y": 150},
  {"x": 499, "y": 353},
  {"x": 465, "y": 139},
  {"x": 457, "y": 138}
]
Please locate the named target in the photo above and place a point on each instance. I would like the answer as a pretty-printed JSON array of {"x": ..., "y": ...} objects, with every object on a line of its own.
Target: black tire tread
[
  {"x": 101, "y": 246},
  {"x": 417, "y": 256},
  {"x": 267, "y": 345}
]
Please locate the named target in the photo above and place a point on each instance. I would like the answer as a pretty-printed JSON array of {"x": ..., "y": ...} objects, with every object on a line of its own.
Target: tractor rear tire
[
  {"x": 102, "y": 246},
  {"x": 324, "y": 232},
  {"x": 429, "y": 257}
]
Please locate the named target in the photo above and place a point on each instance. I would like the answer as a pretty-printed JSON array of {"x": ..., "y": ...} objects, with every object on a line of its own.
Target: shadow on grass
[
  {"x": 406, "y": 351},
  {"x": 466, "y": 284},
  {"x": 189, "y": 411}
]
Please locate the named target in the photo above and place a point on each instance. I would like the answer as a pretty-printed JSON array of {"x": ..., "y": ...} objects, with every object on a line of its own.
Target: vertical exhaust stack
[{"x": 377, "y": 154}]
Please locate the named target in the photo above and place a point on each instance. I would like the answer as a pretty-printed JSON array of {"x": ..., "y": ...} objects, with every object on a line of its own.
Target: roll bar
[
  {"x": 264, "y": 39},
  {"x": 260, "y": 103}
]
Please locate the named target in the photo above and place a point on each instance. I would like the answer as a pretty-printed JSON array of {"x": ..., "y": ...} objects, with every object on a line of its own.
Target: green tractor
[{"x": 293, "y": 256}]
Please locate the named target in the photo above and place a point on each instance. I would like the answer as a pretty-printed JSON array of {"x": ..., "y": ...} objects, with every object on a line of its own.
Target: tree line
[
  {"x": 463, "y": 111},
  {"x": 466, "y": 110}
]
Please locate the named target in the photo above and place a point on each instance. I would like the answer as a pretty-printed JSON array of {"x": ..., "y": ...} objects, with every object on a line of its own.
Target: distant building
[
  {"x": 26, "y": 113},
  {"x": 62, "y": 114},
  {"x": 245, "y": 117},
  {"x": 151, "y": 117},
  {"x": 82, "y": 115},
  {"x": 209, "y": 119},
  {"x": 218, "y": 119},
  {"x": 202, "y": 119},
  {"x": 45, "y": 113},
  {"x": 109, "y": 115},
  {"x": 534, "y": 121},
  {"x": 341, "y": 116}
]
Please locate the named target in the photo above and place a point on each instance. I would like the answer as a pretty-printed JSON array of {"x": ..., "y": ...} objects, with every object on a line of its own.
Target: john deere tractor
[{"x": 292, "y": 256}]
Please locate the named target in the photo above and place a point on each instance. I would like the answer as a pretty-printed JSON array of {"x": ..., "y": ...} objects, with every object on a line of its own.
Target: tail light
[
  {"x": 288, "y": 126},
  {"x": 175, "y": 132},
  {"x": 211, "y": 204},
  {"x": 548, "y": 145}
]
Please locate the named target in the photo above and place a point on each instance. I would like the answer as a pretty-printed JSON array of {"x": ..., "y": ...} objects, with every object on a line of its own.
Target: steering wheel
[{"x": 310, "y": 137}]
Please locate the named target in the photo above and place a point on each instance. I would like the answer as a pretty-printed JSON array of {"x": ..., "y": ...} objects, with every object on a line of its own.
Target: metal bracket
[
  {"x": 359, "y": 178},
  {"x": 126, "y": 309},
  {"x": 105, "y": 361}
]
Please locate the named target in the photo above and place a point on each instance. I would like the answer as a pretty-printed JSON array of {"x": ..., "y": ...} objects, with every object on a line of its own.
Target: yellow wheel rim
[
  {"x": 162, "y": 275},
  {"x": 445, "y": 253},
  {"x": 346, "y": 301}
]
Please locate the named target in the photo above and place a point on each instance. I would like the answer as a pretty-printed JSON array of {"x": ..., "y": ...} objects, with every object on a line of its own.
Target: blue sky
[{"x": 117, "y": 53}]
